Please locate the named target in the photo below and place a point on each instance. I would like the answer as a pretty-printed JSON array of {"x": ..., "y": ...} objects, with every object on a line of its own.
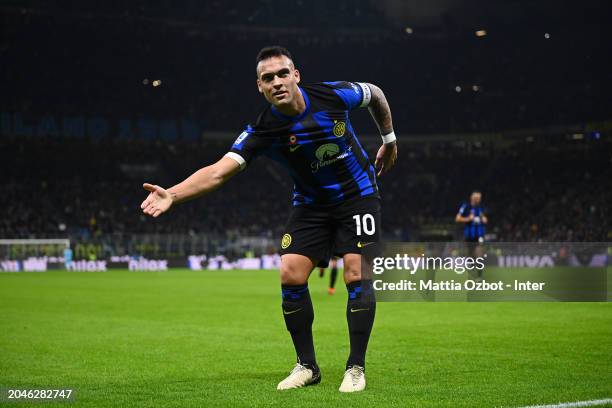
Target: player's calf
[
  {"x": 360, "y": 313},
  {"x": 299, "y": 315}
]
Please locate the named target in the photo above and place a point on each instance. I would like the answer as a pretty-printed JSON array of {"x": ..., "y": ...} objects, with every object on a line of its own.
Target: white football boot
[
  {"x": 300, "y": 376},
  {"x": 354, "y": 379}
]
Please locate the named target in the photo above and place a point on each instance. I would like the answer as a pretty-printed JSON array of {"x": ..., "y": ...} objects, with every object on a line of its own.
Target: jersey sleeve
[
  {"x": 353, "y": 94},
  {"x": 463, "y": 210},
  {"x": 247, "y": 146}
]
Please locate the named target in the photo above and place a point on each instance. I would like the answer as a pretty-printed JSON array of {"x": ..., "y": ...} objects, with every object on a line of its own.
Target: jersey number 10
[{"x": 367, "y": 222}]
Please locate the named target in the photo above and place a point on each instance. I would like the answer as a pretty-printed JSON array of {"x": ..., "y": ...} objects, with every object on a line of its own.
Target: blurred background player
[
  {"x": 333, "y": 274},
  {"x": 68, "y": 257},
  {"x": 472, "y": 215}
]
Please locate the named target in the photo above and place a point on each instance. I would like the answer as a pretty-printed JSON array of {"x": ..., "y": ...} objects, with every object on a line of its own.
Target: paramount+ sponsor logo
[{"x": 327, "y": 154}]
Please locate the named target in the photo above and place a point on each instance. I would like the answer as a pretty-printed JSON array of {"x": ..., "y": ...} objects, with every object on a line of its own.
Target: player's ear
[
  {"x": 296, "y": 73},
  {"x": 259, "y": 86}
]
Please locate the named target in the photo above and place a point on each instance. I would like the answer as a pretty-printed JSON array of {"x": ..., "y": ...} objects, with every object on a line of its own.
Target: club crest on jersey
[
  {"x": 286, "y": 241},
  {"x": 339, "y": 129}
]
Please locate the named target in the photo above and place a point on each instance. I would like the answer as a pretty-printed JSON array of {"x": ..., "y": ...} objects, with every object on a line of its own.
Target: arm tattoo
[{"x": 380, "y": 111}]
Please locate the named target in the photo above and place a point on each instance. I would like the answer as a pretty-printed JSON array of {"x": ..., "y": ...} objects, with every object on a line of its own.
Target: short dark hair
[{"x": 272, "y": 51}]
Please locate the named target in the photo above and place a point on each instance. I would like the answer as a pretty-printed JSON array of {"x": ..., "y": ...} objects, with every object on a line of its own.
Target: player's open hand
[
  {"x": 158, "y": 201},
  {"x": 385, "y": 158}
]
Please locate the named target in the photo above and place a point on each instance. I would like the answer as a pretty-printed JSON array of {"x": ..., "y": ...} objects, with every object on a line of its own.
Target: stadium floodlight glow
[
  {"x": 157, "y": 82},
  {"x": 481, "y": 33},
  {"x": 409, "y": 30},
  {"x": 578, "y": 136},
  {"x": 475, "y": 88},
  {"x": 546, "y": 35},
  {"x": 457, "y": 89},
  {"x": 145, "y": 81}
]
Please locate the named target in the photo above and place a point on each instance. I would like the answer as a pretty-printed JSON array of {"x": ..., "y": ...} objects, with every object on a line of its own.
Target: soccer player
[
  {"x": 336, "y": 202},
  {"x": 333, "y": 275},
  {"x": 68, "y": 257},
  {"x": 472, "y": 215}
]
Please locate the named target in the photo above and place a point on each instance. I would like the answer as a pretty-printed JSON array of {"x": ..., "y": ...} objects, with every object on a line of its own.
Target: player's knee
[
  {"x": 292, "y": 275},
  {"x": 352, "y": 268},
  {"x": 295, "y": 270},
  {"x": 352, "y": 274}
]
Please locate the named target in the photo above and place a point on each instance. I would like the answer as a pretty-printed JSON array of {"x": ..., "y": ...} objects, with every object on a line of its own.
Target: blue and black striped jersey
[
  {"x": 474, "y": 229},
  {"x": 319, "y": 147}
]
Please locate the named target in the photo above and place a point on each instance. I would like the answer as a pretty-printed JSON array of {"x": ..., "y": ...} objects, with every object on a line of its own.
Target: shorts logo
[
  {"x": 339, "y": 129},
  {"x": 363, "y": 244},
  {"x": 286, "y": 241}
]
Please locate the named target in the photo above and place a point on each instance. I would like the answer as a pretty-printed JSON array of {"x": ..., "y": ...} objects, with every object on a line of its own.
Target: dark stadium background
[
  {"x": 522, "y": 113},
  {"x": 97, "y": 97}
]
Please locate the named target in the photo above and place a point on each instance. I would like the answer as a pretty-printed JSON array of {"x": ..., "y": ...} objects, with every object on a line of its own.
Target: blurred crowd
[
  {"x": 532, "y": 191},
  {"x": 156, "y": 60},
  {"x": 100, "y": 61}
]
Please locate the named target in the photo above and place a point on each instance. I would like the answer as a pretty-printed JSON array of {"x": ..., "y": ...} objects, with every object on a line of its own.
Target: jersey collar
[{"x": 294, "y": 118}]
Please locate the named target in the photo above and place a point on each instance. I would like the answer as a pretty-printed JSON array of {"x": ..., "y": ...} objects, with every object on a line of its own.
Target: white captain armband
[
  {"x": 367, "y": 94},
  {"x": 238, "y": 158}
]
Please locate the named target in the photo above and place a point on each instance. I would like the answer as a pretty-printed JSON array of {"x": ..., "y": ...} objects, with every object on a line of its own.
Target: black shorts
[{"x": 320, "y": 232}]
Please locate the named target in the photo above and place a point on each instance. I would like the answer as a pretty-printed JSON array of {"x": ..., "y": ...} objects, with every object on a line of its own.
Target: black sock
[
  {"x": 332, "y": 277},
  {"x": 299, "y": 315},
  {"x": 360, "y": 312}
]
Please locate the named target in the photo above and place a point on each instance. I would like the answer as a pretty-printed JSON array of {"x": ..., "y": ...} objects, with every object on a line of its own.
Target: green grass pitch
[{"x": 184, "y": 338}]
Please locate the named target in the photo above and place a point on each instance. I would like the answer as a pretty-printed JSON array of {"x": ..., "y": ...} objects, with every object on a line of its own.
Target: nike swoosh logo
[
  {"x": 294, "y": 148},
  {"x": 358, "y": 310},
  {"x": 363, "y": 244},
  {"x": 292, "y": 311}
]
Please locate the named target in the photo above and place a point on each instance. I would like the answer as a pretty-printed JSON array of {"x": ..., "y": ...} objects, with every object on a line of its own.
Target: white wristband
[{"x": 388, "y": 138}]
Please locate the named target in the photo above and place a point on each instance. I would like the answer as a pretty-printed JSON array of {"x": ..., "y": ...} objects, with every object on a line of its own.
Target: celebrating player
[{"x": 336, "y": 202}]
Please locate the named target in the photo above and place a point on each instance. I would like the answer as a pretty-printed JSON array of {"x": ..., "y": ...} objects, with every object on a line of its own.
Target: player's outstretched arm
[
  {"x": 201, "y": 182},
  {"x": 381, "y": 113}
]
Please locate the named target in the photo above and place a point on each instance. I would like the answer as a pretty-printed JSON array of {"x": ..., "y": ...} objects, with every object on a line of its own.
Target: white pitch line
[{"x": 591, "y": 403}]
